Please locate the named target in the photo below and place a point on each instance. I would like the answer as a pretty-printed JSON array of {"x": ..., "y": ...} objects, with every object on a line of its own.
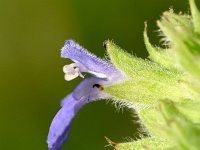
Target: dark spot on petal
[{"x": 98, "y": 86}]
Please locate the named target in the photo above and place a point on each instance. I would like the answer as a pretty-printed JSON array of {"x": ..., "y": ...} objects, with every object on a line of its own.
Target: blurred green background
[{"x": 32, "y": 33}]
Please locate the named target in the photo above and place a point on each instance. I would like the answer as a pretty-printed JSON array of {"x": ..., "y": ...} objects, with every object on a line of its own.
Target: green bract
[{"x": 167, "y": 86}]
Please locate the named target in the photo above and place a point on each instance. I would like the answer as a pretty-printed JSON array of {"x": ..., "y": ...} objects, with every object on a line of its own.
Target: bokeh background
[{"x": 32, "y": 33}]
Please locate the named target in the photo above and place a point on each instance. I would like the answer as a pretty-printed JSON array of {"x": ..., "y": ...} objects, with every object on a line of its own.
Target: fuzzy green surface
[
  {"x": 165, "y": 89},
  {"x": 144, "y": 144}
]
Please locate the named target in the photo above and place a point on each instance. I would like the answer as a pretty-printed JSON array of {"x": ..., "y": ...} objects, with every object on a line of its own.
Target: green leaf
[
  {"x": 144, "y": 144},
  {"x": 182, "y": 130},
  {"x": 182, "y": 41},
  {"x": 147, "y": 91},
  {"x": 190, "y": 109},
  {"x": 139, "y": 69},
  {"x": 195, "y": 16},
  {"x": 153, "y": 121},
  {"x": 164, "y": 57}
]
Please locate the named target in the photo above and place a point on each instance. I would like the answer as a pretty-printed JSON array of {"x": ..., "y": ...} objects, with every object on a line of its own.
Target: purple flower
[{"x": 90, "y": 89}]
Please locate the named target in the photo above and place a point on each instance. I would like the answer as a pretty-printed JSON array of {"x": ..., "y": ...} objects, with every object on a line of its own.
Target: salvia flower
[{"x": 90, "y": 89}]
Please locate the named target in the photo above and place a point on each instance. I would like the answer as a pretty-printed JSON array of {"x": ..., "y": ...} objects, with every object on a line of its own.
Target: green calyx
[{"x": 167, "y": 86}]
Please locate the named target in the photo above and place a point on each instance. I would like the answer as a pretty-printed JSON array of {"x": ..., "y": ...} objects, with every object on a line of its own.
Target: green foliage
[
  {"x": 168, "y": 85},
  {"x": 148, "y": 91},
  {"x": 159, "y": 55},
  {"x": 146, "y": 143}
]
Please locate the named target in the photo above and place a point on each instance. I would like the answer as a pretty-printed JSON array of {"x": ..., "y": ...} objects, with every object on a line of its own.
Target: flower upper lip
[
  {"x": 90, "y": 89},
  {"x": 88, "y": 62}
]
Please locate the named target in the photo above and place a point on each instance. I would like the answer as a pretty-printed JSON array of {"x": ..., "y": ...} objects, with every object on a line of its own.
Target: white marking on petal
[
  {"x": 99, "y": 75},
  {"x": 71, "y": 71},
  {"x": 74, "y": 70},
  {"x": 81, "y": 75},
  {"x": 69, "y": 77}
]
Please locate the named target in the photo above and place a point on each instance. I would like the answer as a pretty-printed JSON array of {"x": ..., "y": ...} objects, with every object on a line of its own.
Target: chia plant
[{"x": 163, "y": 89}]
